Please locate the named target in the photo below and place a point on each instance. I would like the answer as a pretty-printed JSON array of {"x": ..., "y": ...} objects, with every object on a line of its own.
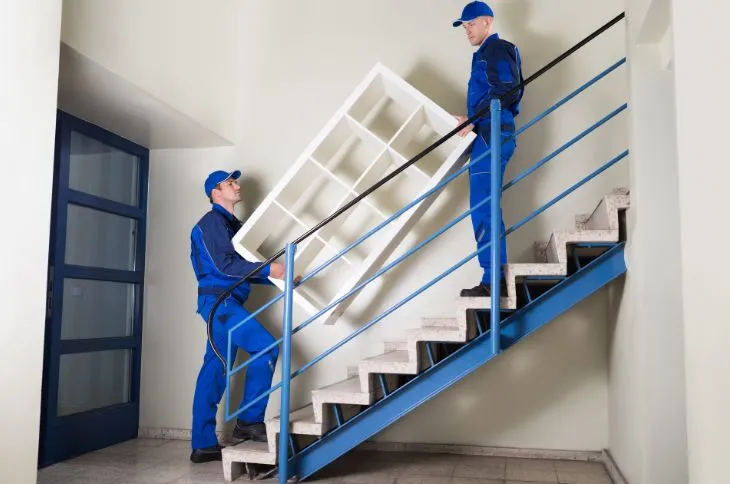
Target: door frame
[{"x": 76, "y": 434}]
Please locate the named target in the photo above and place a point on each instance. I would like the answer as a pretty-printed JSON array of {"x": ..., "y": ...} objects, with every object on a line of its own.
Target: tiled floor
[{"x": 163, "y": 462}]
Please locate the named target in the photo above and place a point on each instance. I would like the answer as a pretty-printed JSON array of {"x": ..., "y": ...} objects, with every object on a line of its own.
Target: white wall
[
  {"x": 646, "y": 370},
  {"x": 703, "y": 175},
  {"x": 178, "y": 51},
  {"x": 29, "y": 49},
  {"x": 293, "y": 74}
]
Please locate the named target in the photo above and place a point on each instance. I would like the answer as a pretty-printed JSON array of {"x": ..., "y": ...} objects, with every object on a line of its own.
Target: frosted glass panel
[
  {"x": 96, "y": 309},
  {"x": 104, "y": 171},
  {"x": 100, "y": 239},
  {"x": 88, "y": 381}
]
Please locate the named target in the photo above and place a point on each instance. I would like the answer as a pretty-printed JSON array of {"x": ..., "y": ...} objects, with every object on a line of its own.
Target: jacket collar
[
  {"x": 492, "y": 37},
  {"x": 226, "y": 213}
]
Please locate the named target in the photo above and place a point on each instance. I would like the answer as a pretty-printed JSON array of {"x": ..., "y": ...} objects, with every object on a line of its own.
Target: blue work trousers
[
  {"x": 480, "y": 187},
  {"x": 252, "y": 337}
]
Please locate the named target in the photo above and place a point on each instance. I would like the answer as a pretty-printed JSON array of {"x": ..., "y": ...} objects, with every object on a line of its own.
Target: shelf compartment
[
  {"x": 352, "y": 225},
  {"x": 313, "y": 194},
  {"x": 421, "y": 131},
  {"x": 322, "y": 287},
  {"x": 278, "y": 228},
  {"x": 398, "y": 191},
  {"x": 384, "y": 107},
  {"x": 348, "y": 150}
]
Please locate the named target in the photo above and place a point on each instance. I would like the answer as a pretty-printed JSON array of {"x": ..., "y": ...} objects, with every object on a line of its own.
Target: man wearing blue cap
[
  {"x": 217, "y": 266},
  {"x": 496, "y": 69}
]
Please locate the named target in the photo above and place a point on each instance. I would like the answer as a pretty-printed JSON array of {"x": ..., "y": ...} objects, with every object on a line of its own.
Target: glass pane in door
[
  {"x": 88, "y": 381},
  {"x": 97, "y": 309},
  {"x": 101, "y": 170},
  {"x": 100, "y": 239}
]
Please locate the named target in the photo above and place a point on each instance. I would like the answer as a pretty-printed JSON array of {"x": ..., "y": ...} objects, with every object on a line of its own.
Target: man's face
[
  {"x": 229, "y": 191},
  {"x": 477, "y": 30}
]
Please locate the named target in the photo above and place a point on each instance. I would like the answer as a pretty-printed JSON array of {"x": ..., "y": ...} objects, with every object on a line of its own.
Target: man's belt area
[
  {"x": 485, "y": 127},
  {"x": 217, "y": 291}
]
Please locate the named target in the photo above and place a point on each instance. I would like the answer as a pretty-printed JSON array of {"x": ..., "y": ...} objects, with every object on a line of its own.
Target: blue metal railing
[
  {"x": 495, "y": 296},
  {"x": 375, "y": 229},
  {"x": 494, "y": 245}
]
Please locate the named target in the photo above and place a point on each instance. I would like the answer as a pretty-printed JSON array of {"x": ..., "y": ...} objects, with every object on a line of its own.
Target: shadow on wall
[{"x": 252, "y": 193}]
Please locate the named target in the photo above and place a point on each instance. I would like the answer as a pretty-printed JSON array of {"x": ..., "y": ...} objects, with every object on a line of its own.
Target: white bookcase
[{"x": 382, "y": 124}]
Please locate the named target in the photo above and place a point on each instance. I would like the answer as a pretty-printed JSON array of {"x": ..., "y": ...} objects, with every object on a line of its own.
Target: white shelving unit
[{"x": 383, "y": 123}]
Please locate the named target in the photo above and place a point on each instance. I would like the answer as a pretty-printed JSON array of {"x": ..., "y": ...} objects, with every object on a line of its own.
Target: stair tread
[
  {"x": 435, "y": 333},
  {"x": 591, "y": 235},
  {"x": 351, "y": 385},
  {"x": 301, "y": 421},
  {"x": 249, "y": 451},
  {"x": 304, "y": 414},
  {"x": 536, "y": 269},
  {"x": 398, "y": 356},
  {"x": 439, "y": 322},
  {"x": 395, "y": 345}
]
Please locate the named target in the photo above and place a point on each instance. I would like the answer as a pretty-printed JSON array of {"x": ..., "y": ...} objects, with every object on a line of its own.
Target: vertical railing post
[
  {"x": 496, "y": 216},
  {"x": 286, "y": 366}
]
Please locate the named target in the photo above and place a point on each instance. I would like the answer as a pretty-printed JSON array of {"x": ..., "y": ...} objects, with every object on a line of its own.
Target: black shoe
[
  {"x": 254, "y": 431},
  {"x": 208, "y": 454},
  {"x": 482, "y": 290}
]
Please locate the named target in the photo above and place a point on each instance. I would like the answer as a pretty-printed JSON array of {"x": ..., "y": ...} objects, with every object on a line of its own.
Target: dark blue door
[{"x": 95, "y": 286}]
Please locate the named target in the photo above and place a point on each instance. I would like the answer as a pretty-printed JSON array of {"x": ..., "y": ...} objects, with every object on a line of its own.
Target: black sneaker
[
  {"x": 208, "y": 454},
  {"x": 482, "y": 290},
  {"x": 254, "y": 431}
]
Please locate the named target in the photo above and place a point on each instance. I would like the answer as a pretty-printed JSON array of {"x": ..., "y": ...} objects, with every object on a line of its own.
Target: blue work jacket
[
  {"x": 496, "y": 68},
  {"x": 216, "y": 263}
]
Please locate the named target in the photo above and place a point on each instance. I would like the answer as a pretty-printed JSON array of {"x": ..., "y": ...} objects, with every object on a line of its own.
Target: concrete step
[
  {"x": 435, "y": 334},
  {"x": 392, "y": 362},
  {"x": 557, "y": 250},
  {"x": 395, "y": 346},
  {"x": 249, "y": 451},
  {"x": 301, "y": 422},
  {"x": 439, "y": 322},
  {"x": 346, "y": 392}
]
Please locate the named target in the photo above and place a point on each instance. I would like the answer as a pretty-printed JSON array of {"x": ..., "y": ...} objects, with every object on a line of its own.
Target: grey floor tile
[
  {"x": 466, "y": 480},
  {"x": 167, "y": 462},
  {"x": 476, "y": 467}
]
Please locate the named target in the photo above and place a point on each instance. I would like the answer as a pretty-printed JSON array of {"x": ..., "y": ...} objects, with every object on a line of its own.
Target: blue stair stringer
[{"x": 459, "y": 364}]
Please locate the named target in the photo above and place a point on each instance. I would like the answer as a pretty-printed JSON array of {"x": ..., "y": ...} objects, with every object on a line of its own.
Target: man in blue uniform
[
  {"x": 217, "y": 266},
  {"x": 496, "y": 68}
]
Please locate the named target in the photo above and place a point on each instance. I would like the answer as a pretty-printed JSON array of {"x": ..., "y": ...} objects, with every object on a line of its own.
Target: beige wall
[
  {"x": 291, "y": 73},
  {"x": 648, "y": 436},
  {"x": 703, "y": 175},
  {"x": 29, "y": 49},
  {"x": 180, "y": 52}
]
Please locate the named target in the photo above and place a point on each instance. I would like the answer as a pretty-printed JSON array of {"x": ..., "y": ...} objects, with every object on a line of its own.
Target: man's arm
[
  {"x": 503, "y": 72},
  {"x": 503, "y": 75},
  {"x": 214, "y": 240}
]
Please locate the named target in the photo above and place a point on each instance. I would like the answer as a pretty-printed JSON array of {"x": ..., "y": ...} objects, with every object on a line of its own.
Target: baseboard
[
  {"x": 613, "y": 471},
  {"x": 168, "y": 434},
  {"x": 578, "y": 455},
  {"x": 510, "y": 452}
]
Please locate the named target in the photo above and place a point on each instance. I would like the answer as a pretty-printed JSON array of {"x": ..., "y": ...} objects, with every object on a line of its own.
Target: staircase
[{"x": 568, "y": 268}]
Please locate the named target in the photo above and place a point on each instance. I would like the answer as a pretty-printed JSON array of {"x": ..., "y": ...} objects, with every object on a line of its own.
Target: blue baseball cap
[
  {"x": 472, "y": 11},
  {"x": 219, "y": 176}
]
